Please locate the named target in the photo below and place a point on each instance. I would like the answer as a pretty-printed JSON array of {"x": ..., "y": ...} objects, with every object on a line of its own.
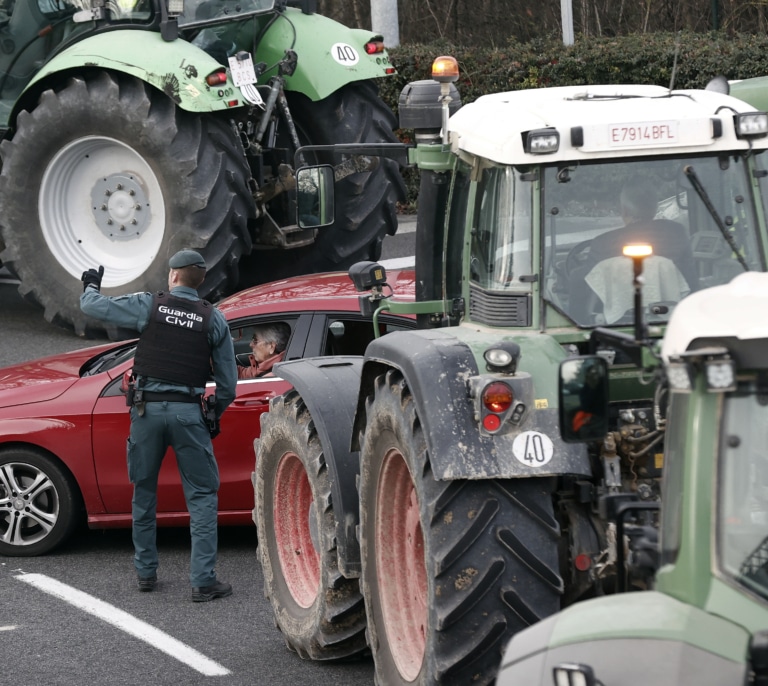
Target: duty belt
[{"x": 153, "y": 397}]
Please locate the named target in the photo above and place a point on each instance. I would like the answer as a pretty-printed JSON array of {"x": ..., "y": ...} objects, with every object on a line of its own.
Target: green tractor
[
  {"x": 437, "y": 509},
  {"x": 706, "y": 620},
  {"x": 133, "y": 128}
]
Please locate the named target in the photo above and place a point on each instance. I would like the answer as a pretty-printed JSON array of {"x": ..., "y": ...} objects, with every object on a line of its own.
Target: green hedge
[{"x": 641, "y": 58}]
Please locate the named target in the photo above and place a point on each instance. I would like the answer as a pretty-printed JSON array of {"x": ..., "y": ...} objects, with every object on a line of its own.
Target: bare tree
[{"x": 494, "y": 23}]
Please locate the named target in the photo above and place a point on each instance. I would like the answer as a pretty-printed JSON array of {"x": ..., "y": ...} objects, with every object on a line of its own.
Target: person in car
[
  {"x": 180, "y": 338},
  {"x": 268, "y": 345}
]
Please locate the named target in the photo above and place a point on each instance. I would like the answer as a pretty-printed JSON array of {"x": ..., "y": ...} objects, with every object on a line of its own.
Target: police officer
[{"x": 181, "y": 336}]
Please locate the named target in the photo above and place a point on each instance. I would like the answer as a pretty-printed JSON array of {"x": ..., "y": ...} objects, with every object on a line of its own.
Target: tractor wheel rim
[
  {"x": 400, "y": 567},
  {"x": 293, "y": 512},
  {"x": 101, "y": 203}
]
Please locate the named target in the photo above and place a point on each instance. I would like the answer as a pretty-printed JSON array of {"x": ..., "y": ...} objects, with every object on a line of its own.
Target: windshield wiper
[
  {"x": 97, "y": 365},
  {"x": 690, "y": 172}
]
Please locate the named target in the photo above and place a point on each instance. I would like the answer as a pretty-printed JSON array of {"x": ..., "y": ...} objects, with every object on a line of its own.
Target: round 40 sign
[
  {"x": 345, "y": 54},
  {"x": 533, "y": 449}
]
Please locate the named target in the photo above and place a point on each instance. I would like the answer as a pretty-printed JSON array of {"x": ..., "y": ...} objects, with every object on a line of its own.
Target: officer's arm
[
  {"x": 224, "y": 364},
  {"x": 128, "y": 311}
]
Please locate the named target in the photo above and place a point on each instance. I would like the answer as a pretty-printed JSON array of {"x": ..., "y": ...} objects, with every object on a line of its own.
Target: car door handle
[{"x": 250, "y": 402}]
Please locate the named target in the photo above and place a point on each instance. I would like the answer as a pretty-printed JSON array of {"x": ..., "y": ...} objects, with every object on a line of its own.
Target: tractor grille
[{"x": 499, "y": 309}]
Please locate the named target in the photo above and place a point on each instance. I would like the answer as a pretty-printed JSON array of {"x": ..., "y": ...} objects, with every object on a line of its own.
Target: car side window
[
  {"x": 351, "y": 337},
  {"x": 243, "y": 333}
]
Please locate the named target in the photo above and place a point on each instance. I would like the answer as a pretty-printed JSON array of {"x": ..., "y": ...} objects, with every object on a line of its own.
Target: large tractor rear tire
[
  {"x": 320, "y": 613},
  {"x": 106, "y": 171},
  {"x": 451, "y": 569}
]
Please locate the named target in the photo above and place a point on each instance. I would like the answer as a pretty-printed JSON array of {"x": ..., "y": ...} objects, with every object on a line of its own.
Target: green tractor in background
[
  {"x": 134, "y": 128},
  {"x": 705, "y": 623}
]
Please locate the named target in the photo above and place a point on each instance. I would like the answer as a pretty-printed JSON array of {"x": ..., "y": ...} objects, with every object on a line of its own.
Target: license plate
[
  {"x": 241, "y": 68},
  {"x": 643, "y": 133}
]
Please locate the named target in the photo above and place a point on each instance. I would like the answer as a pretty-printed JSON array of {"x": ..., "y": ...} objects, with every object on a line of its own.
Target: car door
[
  {"x": 233, "y": 447},
  {"x": 241, "y": 423}
]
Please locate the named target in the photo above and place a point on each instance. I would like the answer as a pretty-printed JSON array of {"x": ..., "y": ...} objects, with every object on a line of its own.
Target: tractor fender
[
  {"x": 330, "y": 55},
  {"x": 436, "y": 366},
  {"x": 175, "y": 68},
  {"x": 328, "y": 386}
]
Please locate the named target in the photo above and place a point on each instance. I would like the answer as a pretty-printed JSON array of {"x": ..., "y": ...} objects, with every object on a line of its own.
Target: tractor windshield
[
  {"x": 697, "y": 213},
  {"x": 742, "y": 517}
]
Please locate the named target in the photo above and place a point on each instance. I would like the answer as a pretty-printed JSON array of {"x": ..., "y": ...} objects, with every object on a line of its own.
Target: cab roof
[
  {"x": 612, "y": 121},
  {"x": 720, "y": 315}
]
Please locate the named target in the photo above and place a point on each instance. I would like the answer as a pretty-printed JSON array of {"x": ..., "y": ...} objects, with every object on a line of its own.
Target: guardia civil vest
[{"x": 174, "y": 346}]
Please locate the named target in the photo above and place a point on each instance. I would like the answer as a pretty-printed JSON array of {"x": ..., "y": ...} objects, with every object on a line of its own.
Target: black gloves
[{"x": 92, "y": 277}]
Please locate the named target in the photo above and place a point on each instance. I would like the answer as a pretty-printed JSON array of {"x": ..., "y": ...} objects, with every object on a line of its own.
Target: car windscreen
[{"x": 108, "y": 359}]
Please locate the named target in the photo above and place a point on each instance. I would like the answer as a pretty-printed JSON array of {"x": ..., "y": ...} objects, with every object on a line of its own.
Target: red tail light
[
  {"x": 374, "y": 47},
  {"x": 216, "y": 79},
  {"x": 497, "y": 397}
]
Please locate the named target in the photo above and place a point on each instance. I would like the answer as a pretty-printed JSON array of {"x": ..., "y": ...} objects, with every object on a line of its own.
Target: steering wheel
[
  {"x": 578, "y": 256},
  {"x": 243, "y": 359}
]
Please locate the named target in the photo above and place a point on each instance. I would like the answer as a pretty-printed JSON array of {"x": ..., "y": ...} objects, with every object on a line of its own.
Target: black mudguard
[
  {"x": 436, "y": 366},
  {"x": 329, "y": 386}
]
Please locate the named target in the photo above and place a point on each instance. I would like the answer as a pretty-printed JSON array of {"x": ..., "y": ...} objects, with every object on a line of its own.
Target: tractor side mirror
[
  {"x": 315, "y": 196},
  {"x": 583, "y": 399}
]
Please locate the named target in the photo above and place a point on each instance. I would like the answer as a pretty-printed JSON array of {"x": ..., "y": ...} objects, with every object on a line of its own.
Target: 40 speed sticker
[
  {"x": 345, "y": 54},
  {"x": 533, "y": 449}
]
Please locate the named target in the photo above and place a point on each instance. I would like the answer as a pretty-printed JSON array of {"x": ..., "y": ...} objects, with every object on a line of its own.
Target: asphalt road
[{"x": 74, "y": 617}]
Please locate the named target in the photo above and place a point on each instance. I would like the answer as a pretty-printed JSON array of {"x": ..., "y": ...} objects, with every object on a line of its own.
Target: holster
[
  {"x": 134, "y": 396},
  {"x": 208, "y": 408}
]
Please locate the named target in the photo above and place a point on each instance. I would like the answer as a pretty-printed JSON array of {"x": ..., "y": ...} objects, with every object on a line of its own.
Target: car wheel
[{"x": 39, "y": 503}]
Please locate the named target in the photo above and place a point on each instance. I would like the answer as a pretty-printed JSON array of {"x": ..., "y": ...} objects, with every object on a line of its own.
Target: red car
[{"x": 64, "y": 421}]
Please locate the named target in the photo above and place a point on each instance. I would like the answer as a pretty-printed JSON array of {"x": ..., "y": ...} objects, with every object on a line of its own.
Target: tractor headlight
[
  {"x": 542, "y": 141},
  {"x": 721, "y": 375},
  {"x": 502, "y": 357},
  {"x": 573, "y": 674},
  {"x": 751, "y": 124}
]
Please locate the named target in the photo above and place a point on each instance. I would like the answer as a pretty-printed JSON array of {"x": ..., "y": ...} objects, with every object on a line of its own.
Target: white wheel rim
[{"x": 100, "y": 203}]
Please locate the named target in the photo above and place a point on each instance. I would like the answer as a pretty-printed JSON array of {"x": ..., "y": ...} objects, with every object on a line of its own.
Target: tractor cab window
[
  {"x": 501, "y": 233},
  {"x": 742, "y": 513},
  {"x": 199, "y": 12},
  {"x": 591, "y": 211}
]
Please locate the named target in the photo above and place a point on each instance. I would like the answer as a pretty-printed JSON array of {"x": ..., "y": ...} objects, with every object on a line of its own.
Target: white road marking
[
  {"x": 11, "y": 627},
  {"x": 126, "y": 622},
  {"x": 406, "y": 224},
  {"x": 398, "y": 263}
]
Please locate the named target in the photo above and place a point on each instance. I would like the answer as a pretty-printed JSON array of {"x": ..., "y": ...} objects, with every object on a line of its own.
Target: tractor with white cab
[{"x": 436, "y": 510}]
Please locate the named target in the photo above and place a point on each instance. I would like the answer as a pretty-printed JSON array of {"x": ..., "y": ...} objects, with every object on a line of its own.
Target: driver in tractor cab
[{"x": 669, "y": 274}]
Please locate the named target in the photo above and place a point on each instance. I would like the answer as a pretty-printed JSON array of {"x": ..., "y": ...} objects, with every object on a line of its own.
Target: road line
[
  {"x": 126, "y": 622},
  {"x": 10, "y": 627},
  {"x": 398, "y": 263}
]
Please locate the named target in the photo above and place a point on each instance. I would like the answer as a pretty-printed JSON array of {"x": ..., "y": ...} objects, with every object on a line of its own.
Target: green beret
[{"x": 186, "y": 258}]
